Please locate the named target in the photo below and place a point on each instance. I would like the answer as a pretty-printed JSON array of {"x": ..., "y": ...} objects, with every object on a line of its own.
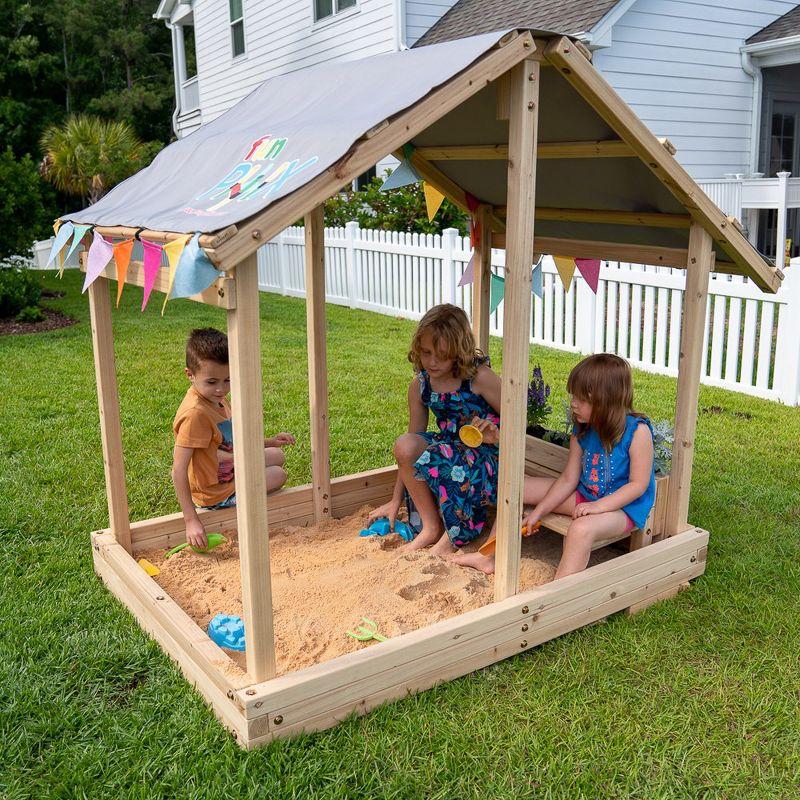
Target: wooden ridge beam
[
  {"x": 262, "y": 227},
  {"x": 207, "y": 240},
  {"x": 612, "y": 108}
]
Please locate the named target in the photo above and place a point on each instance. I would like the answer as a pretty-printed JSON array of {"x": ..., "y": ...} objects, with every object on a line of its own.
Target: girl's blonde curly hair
[{"x": 451, "y": 333}]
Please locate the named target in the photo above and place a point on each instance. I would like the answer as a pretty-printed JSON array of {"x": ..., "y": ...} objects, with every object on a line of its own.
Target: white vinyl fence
[{"x": 752, "y": 339}]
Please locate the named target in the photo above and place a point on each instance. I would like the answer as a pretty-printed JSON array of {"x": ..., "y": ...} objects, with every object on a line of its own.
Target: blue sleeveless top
[{"x": 602, "y": 473}]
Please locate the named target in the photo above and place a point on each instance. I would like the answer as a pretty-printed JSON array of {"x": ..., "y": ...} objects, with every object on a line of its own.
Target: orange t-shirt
[{"x": 205, "y": 426}]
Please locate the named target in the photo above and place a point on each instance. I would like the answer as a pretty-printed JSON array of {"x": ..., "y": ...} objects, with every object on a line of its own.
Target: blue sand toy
[
  {"x": 227, "y": 631},
  {"x": 380, "y": 527}
]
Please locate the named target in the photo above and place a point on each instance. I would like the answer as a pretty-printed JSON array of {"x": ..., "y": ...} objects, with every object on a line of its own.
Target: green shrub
[
  {"x": 30, "y": 314},
  {"x": 19, "y": 288}
]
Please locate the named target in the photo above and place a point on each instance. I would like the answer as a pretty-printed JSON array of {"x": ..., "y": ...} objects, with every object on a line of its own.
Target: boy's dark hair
[{"x": 206, "y": 344}]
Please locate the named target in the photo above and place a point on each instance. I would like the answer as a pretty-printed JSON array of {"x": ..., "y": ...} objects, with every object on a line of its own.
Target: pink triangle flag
[
  {"x": 152, "y": 261},
  {"x": 100, "y": 253},
  {"x": 590, "y": 270},
  {"x": 469, "y": 273}
]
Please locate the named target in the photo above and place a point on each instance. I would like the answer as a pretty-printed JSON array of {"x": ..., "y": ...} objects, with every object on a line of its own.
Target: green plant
[
  {"x": 19, "y": 289},
  {"x": 538, "y": 395},
  {"x": 401, "y": 209},
  {"x": 30, "y": 314},
  {"x": 663, "y": 439},
  {"x": 87, "y": 155}
]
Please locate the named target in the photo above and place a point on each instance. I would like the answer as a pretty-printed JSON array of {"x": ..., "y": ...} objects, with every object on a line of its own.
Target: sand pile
[{"x": 326, "y": 577}]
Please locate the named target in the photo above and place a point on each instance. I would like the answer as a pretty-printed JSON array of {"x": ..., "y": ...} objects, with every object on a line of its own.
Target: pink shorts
[{"x": 579, "y": 498}]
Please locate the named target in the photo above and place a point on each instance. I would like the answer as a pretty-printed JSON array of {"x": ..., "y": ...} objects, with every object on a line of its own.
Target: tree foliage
[{"x": 26, "y": 204}]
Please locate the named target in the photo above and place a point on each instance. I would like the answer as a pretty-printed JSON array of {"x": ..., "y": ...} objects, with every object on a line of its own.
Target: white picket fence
[{"x": 752, "y": 340}]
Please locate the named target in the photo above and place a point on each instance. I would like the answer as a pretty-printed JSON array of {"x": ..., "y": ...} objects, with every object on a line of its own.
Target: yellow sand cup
[{"x": 470, "y": 435}]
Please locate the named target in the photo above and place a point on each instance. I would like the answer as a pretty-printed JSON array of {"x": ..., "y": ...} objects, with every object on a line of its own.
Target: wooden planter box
[{"x": 321, "y": 696}]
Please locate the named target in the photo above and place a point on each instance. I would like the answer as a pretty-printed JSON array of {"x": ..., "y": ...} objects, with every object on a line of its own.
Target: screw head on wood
[
  {"x": 250, "y": 692},
  {"x": 531, "y": 105},
  {"x": 256, "y": 234},
  {"x": 523, "y": 643},
  {"x": 278, "y": 720},
  {"x": 229, "y": 694},
  {"x": 524, "y": 609},
  {"x": 525, "y": 627}
]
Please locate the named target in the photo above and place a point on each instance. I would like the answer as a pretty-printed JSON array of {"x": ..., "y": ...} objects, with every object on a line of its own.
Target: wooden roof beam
[{"x": 649, "y": 219}]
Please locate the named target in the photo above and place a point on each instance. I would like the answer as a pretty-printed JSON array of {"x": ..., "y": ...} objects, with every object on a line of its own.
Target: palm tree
[{"x": 86, "y": 156}]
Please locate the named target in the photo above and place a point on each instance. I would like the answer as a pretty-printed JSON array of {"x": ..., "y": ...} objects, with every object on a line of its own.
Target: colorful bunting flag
[
  {"x": 497, "y": 290},
  {"x": 56, "y": 226},
  {"x": 63, "y": 235},
  {"x": 474, "y": 225},
  {"x": 590, "y": 270},
  {"x": 566, "y": 269},
  {"x": 195, "y": 271},
  {"x": 404, "y": 175},
  {"x": 100, "y": 253},
  {"x": 433, "y": 200},
  {"x": 152, "y": 261},
  {"x": 173, "y": 252},
  {"x": 469, "y": 273},
  {"x": 122, "y": 257},
  {"x": 79, "y": 233},
  {"x": 536, "y": 280}
]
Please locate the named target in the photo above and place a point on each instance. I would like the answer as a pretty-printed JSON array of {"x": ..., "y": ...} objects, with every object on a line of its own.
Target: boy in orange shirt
[{"x": 202, "y": 461}]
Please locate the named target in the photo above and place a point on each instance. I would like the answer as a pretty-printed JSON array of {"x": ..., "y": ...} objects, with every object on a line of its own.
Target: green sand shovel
[
  {"x": 367, "y": 631},
  {"x": 214, "y": 540}
]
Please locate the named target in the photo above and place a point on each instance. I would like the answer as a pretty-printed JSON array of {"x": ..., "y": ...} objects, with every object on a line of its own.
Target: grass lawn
[{"x": 695, "y": 698}]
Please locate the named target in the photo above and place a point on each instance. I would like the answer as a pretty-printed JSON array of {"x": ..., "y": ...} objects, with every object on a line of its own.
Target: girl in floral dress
[{"x": 448, "y": 486}]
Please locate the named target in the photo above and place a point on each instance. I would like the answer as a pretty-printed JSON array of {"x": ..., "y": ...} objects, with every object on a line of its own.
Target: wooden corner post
[
  {"x": 317, "y": 363},
  {"x": 108, "y": 403},
  {"x": 523, "y": 119},
  {"x": 248, "y": 457},
  {"x": 482, "y": 278},
  {"x": 698, "y": 269}
]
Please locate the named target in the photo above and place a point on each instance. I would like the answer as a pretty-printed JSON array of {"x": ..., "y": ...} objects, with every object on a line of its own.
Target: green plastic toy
[
  {"x": 214, "y": 540},
  {"x": 367, "y": 631}
]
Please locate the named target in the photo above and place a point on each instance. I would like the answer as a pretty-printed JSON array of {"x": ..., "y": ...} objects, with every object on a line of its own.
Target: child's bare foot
[
  {"x": 475, "y": 560},
  {"x": 443, "y": 547},
  {"x": 425, "y": 538}
]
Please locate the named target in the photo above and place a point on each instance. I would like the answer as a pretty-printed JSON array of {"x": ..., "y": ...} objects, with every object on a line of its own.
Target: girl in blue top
[{"x": 608, "y": 486}]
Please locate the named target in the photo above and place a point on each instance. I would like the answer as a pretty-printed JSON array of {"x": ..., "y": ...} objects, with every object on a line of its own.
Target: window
[
  {"x": 237, "y": 27},
  {"x": 327, "y": 8}
]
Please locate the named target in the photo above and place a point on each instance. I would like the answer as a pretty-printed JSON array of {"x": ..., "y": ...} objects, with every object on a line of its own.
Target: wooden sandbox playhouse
[{"x": 560, "y": 164}]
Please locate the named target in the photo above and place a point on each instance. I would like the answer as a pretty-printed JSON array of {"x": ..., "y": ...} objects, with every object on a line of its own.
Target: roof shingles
[
  {"x": 471, "y": 17},
  {"x": 787, "y": 25}
]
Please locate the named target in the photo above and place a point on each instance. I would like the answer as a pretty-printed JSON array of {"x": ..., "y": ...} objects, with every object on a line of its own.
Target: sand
[{"x": 326, "y": 577}]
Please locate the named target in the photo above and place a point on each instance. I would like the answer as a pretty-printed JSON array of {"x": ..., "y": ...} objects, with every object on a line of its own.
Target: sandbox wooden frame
[{"x": 259, "y": 706}]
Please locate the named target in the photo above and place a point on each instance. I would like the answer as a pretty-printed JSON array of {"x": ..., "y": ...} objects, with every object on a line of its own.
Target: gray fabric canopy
[{"x": 276, "y": 139}]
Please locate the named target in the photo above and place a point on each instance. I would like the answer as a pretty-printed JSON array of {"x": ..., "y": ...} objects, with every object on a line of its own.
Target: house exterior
[{"x": 719, "y": 78}]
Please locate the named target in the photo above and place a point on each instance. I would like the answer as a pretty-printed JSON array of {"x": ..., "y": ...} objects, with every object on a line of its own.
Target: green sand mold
[{"x": 214, "y": 540}]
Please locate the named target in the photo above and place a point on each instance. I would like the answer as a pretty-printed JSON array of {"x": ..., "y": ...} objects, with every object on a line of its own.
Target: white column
[
  {"x": 350, "y": 233},
  {"x": 783, "y": 199},
  {"x": 449, "y": 236},
  {"x": 787, "y": 347},
  {"x": 585, "y": 313}
]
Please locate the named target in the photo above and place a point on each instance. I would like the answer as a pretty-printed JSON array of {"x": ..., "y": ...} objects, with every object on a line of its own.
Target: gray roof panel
[{"x": 787, "y": 25}]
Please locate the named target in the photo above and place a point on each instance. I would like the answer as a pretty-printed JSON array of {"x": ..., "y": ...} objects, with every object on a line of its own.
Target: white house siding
[
  {"x": 280, "y": 37},
  {"x": 677, "y": 64},
  {"x": 421, "y": 15}
]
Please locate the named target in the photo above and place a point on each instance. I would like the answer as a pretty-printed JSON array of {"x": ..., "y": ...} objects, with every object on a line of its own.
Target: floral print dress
[{"x": 462, "y": 478}]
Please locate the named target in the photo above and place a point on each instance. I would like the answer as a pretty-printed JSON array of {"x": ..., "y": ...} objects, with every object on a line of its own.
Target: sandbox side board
[{"x": 321, "y": 696}]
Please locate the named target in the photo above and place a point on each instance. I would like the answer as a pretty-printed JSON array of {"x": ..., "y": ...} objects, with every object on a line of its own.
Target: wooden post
[
  {"x": 523, "y": 119},
  {"x": 317, "y": 363},
  {"x": 108, "y": 403},
  {"x": 698, "y": 270},
  {"x": 248, "y": 456},
  {"x": 482, "y": 280}
]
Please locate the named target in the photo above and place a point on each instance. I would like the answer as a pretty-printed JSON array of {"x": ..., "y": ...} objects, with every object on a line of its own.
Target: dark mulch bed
[{"x": 52, "y": 321}]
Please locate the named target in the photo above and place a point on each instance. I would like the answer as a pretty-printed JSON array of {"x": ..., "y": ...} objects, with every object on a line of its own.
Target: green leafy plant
[
  {"x": 401, "y": 209},
  {"x": 87, "y": 155},
  {"x": 663, "y": 440},
  {"x": 539, "y": 407},
  {"x": 30, "y": 314},
  {"x": 19, "y": 289}
]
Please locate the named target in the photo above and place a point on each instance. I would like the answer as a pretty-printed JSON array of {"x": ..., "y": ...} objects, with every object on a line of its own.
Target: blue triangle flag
[
  {"x": 536, "y": 280},
  {"x": 496, "y": 291},
  {"x": 80, "y": 231},
  {"x": 194, "y": 272},
  {"x": 65, "y": 231},
  {"x": 404, "y": 175}
]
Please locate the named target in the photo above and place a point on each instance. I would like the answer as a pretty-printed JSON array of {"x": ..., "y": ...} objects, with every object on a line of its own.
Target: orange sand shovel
[{"x": 488, "y": 547}]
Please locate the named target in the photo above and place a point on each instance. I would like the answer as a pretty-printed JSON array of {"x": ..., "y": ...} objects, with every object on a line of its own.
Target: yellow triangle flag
[
  {"x": 122, "y": 257},
  {"x": 433, "y": 199},
  {"x": 173, "y": 252},
  {"x": 566, "y": 269},
  {"x": 60, "y": 256}
]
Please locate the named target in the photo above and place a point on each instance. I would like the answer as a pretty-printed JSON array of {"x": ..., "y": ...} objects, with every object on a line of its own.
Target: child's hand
[
  {"x": 280, "y": 440},
  {"x": 490, "y": 431},
  {"x": 584, "y": 509},
  {"x": 389, "y": 510},
  {"x": 532, "y": 520},
  {"x": 196, "y": 534}
]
